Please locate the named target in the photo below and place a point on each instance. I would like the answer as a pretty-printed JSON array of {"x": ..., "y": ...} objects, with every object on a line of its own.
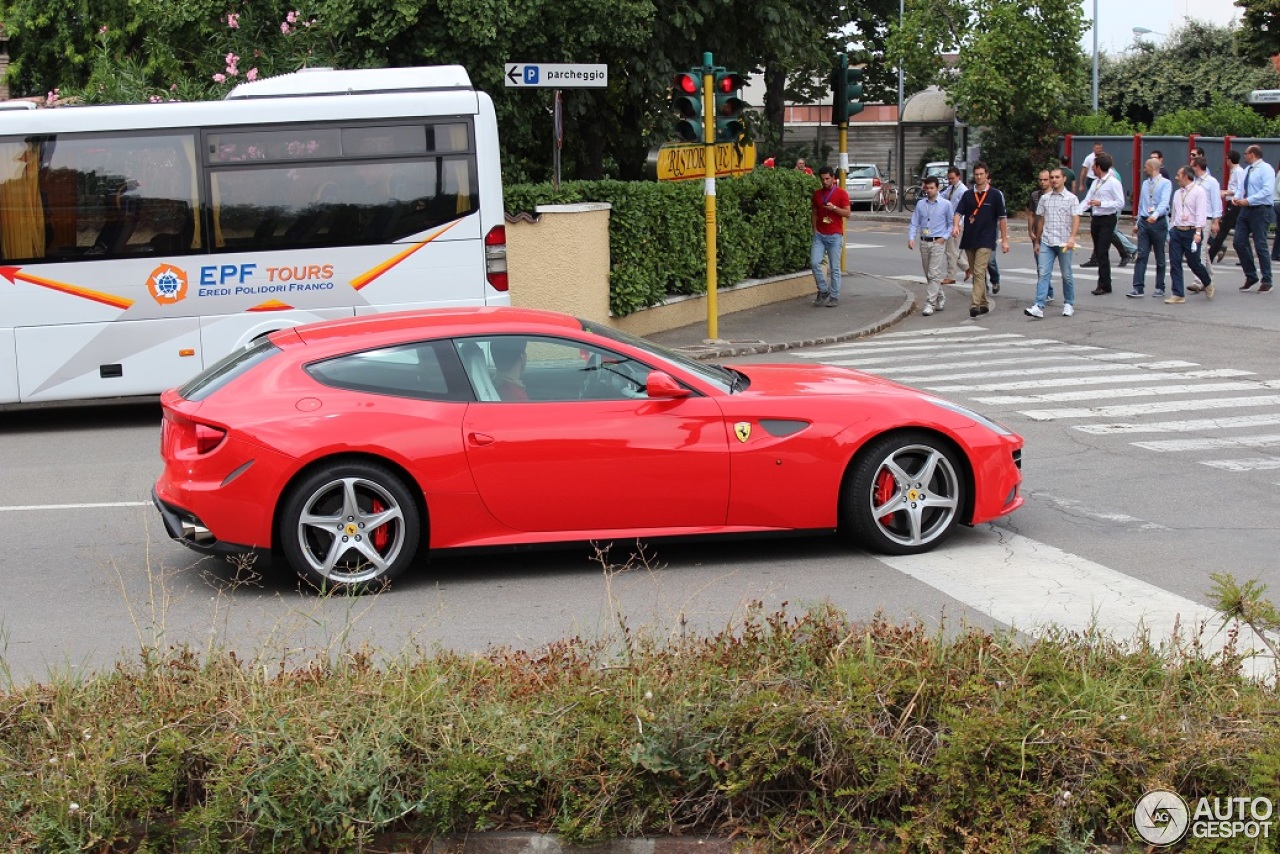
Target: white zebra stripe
[
  {"x": 1186, "y": 426},
  {"x": 1150, "y": 408},
  {"x": 1127, "y": 391},
  {"x": 1166, "y": 445},
  {"x": 1101, "y": 379}
]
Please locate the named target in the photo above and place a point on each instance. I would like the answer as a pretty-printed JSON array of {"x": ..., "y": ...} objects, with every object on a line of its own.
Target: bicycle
[
  {"x": 913, "y": 194},
  {"x": 887, "y": 198}
]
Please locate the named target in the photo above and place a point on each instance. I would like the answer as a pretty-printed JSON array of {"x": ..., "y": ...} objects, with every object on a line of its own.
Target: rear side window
[
  {"x": 862, "y": 171},
  {"x": 227, "y": 369},
  {"x": 426, "y": 371}
]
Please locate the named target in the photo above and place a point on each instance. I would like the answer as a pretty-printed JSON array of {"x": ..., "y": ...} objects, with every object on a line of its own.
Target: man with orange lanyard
[
  {"x": 830, "y": 209},
  {"x": 981, "y": 213}
]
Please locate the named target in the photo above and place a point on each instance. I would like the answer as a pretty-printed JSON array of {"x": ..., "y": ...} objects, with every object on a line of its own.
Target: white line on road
[
  {"x": 1127, "y": 391},
  {"x": 1167, "y": 445},
  {"x": 15, "y": 508},
  {"x": 1032, "y": 585},
  {"x": 906, "y": 346},
  {"x": 1249, "y": 464},
  {"x": 1187, "y": 426},
  {"x": 1150, "y": 408},
  {"x": 940, "y": 372},
  {"x": 1001, "y": 348},
  {"x": 935, "y": 331},
  {"x": 1100, "y": 379}
]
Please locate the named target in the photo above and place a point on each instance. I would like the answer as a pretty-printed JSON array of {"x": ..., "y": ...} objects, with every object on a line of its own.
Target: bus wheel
[{"x": 350, "y": 527}]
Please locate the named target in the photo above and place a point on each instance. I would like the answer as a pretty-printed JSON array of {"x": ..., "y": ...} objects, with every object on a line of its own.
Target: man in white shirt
[
  {"x": 1218, "y": 244},
  {"x": 954, "y": 191},
  {"x": 1213, "y": 196},
  {"x": 1105, "y": 200}
]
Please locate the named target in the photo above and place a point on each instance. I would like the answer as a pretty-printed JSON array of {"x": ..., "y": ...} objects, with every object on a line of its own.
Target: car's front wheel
[
  {"x": 350, "y": 527},
  {"x": 905, "y": 494}
]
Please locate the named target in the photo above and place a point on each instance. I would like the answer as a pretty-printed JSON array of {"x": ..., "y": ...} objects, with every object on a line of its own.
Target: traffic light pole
[
  {"x": 843, "y": 169},
  {"x": 709, "y": 162}
]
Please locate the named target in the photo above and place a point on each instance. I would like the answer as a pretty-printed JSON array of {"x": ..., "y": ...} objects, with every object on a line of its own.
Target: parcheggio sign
[{"x": 553, "y": 75}]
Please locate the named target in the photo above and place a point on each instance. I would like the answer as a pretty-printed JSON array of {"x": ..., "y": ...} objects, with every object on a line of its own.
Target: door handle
[{"x": 481, "y": 439}]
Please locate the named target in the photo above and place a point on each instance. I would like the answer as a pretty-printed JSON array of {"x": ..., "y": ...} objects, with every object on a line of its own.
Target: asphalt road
[{"x": 1144, "y": 501}]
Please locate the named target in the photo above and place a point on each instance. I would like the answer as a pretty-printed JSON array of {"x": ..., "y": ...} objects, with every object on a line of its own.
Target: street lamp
[{"x": 1095, "y": 57}]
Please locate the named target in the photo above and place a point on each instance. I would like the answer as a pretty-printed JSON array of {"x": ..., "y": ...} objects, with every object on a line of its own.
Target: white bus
[{"x": 142, "y": 243}]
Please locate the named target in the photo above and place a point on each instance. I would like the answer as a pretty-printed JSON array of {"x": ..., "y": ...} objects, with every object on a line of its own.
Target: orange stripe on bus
[
  {"x": 12, "y": 274},
  {"x": 271, "y": 305},
  {"x": 368, "y": 276}
]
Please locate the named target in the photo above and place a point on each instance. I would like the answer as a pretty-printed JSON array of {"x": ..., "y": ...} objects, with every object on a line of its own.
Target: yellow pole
[
  {"x": 844, "y": 180},
  {"x": 709, "y": 156}
]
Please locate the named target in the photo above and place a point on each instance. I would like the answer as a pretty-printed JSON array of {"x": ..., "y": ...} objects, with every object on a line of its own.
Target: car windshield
[
  {"x": 862, "y": 171},
  {"x": 721, "y": 378}
]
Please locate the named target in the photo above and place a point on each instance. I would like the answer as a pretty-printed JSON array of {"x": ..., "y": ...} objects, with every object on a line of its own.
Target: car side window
[
  {"x": 521, "y": 368},
  {"x": 424, "y": 370}
]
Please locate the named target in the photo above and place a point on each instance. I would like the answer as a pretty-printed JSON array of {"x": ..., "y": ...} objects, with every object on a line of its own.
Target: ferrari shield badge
[{"x": 742, "y": 430}]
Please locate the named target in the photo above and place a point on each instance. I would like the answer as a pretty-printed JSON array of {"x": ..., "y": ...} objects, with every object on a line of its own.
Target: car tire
[
  {"x": 905, "y": 494},
  {"x": 350, "y": 527}
]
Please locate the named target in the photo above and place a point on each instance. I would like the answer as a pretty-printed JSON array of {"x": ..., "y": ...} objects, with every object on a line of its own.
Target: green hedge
[{"x": 656, "y": 230}]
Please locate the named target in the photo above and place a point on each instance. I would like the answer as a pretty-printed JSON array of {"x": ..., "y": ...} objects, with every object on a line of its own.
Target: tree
[
  {"x": 1018, "y": 73},
  {"x": 1258, "y": 36},
  {"x": 1195, "y": 65}
]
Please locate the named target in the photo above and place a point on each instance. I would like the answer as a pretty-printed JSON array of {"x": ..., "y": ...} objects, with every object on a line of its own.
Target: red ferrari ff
[{"x": 351, "y": 447}]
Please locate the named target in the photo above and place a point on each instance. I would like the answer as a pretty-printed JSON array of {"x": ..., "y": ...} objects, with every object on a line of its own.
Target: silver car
[{"x": 863, "y": 184}]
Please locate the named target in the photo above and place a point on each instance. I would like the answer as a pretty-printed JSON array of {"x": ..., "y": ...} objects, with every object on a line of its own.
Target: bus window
[{"x": 98, "y": 197}]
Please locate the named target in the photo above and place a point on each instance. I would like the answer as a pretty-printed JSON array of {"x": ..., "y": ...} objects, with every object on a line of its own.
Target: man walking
[
  {"x": 1105, "y": 200},
  {"x": 981, "y": 214},
  {"x": 1043, "y": 184},
  {"x": 830, "y": 209},
  {"x": 1057, "y": 223},
  {"x": 1256, "y": 199},
  {"x": 955, "y": 189},
  {"x": 1213, "y": 198},
  {"x": 1230, "y": 213},
  {"x": 1190, "y": 206},
  {"x": 1152, "y": 227},
  {"x": 931, "y": 221}
]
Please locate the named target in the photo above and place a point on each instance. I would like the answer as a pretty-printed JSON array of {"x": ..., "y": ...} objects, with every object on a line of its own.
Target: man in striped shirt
[
  {"x": 1057, "y": 223},
  {"x": 1188, "y": 217}
]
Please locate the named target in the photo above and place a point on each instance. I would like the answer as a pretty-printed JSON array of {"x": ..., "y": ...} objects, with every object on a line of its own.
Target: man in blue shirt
[
  {"x": 1257, "y": 189},
  {"x": 931, "y": 222},
  {"x": 1152, "y": 227}
]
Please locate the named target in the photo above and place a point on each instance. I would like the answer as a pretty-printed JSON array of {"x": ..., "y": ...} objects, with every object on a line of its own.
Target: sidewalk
[{"x": 868, "y": 304}]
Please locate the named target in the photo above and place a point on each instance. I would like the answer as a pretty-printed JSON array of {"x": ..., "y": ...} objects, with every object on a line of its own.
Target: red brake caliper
[
  {"x": 380, "y": 534},
  {"x": 883, "y": 492}
]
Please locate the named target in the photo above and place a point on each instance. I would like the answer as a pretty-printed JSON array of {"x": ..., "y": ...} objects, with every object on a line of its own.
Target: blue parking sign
[{"x": 531, "y": 75}]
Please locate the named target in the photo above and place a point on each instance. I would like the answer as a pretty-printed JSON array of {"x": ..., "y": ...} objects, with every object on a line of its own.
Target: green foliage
[
  {"x": 1100, "y": 124},
  {"x": 1258, "y": 36},
  {"x": 656, "y": 230},
  {"x": 1194, "y": 67},
  {"x": 1220, "y": 118},
  {"x": 800, "y": 732}
]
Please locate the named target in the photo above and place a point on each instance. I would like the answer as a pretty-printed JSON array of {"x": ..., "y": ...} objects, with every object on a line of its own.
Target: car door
[{"x": 588, "y": 450}]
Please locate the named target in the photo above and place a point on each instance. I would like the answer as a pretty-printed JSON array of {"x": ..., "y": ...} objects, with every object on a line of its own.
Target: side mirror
[{"x": 662, "y": 386}]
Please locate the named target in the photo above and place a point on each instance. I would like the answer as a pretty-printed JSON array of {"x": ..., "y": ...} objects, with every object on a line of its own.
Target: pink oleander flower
[
  {"x": 251, "y": 74},
  {"x": 285, "y": 28},
  {"x": 102, "y": 31},
  {"x": 233, "y": 20},
  {"x": 292, "y": 17},
  {"x": 232, "y": 59},
  {"x": 219, "y": 78}
]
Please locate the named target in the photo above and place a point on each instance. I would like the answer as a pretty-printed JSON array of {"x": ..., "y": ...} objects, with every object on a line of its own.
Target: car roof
[{"x": 373, "y": 329}]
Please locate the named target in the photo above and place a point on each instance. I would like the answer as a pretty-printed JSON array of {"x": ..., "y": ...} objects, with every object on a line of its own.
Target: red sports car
[{"x": 352, "y": 447}]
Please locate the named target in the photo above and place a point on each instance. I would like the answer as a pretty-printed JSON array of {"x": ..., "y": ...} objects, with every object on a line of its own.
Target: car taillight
[
  {"x": 495, "y": 257},
  {"x": 875, "y": 182},
  {"x": 208, "y": 438}
]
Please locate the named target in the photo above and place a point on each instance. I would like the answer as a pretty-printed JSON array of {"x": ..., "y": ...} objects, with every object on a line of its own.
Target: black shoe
[
  {"x": 1265, "y": 289},
  {"x": 1125, "y": 259},
  {"x": 1249, "y": 282},
  {"x": 982, "y": 309},
  {"x": 995, "y": 287},
  {"x": 1097, "y": 292},
  {"x": 973, "y": 311},
  {"x": 1090, "y": 263},
  {"x": 1217, "y": 259}
]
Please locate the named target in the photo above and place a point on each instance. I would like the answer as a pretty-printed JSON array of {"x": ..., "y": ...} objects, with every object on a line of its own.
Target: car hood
[{"x": 784, "y": 380}]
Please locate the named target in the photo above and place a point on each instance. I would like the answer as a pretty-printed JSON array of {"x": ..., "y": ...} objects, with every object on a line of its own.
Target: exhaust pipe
[{"x": 196, "y": 533}]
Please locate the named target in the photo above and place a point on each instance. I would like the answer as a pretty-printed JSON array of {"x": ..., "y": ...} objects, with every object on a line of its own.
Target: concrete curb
[{"x": 722, "y": 349}]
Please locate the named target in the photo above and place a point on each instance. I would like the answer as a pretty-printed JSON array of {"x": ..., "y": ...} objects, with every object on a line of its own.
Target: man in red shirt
[{"x": 830, "y": 209}]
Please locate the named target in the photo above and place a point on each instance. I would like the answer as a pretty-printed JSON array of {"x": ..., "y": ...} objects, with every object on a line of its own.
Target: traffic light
[
  {"x": 686, "y": 100},
  {"x": 729, "y": 107},
  {"x": 846, "y": 91}
]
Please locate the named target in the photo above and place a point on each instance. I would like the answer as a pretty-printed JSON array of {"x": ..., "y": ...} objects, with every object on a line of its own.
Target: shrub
[{"x": 656, "y": 230}]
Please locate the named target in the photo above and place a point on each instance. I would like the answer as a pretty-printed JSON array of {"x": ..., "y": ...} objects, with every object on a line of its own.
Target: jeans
[
  {"x": 828, "y": 245},
  {"x": 1275, "y": 247},
  {"x": 1182, "y": 244},
  {"x": 1048, "y": 254},
  {"x": 1151, "y": 237},
  {"x": 1252, "y": 226}
]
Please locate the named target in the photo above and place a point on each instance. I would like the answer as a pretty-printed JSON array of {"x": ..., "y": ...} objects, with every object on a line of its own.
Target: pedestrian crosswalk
[{"x": 1231, "y": 413}]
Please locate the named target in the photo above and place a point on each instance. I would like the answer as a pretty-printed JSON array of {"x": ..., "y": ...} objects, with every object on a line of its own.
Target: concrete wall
[{"x": 560, "y": 262}]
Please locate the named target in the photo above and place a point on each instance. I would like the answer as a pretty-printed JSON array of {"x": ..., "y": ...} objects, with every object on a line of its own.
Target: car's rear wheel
[
  {"x": 905, "y": 493},
  {"x": 350, "y": 527}
]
